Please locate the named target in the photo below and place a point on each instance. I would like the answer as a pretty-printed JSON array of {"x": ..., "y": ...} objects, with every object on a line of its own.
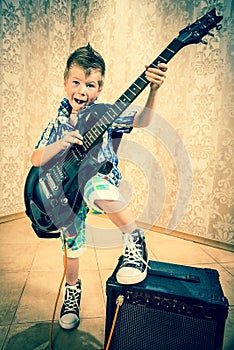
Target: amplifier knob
[
  {"x": 165, "y": 304},
  {"x": 183, "y": 308}
]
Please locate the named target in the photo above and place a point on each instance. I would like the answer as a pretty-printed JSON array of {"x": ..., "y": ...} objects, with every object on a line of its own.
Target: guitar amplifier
[{"x": 175, "y": 308}]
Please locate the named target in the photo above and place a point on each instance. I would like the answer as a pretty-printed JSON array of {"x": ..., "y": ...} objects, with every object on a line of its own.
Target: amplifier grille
[{"x": 143, "y": 328}]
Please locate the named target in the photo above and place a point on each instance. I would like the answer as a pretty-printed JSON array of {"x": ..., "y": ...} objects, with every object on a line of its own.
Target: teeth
[{"x": 79, "y": 101}]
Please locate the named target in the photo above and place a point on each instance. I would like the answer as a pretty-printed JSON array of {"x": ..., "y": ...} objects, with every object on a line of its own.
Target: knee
[{"x": 109, "y": 206}]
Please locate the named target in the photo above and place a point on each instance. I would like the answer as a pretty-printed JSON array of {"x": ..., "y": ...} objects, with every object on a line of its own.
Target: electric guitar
[{"x": 53, "y": 192}]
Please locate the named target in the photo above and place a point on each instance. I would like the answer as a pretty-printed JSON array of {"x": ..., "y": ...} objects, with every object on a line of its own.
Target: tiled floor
[{"x": 31, "y": 271}]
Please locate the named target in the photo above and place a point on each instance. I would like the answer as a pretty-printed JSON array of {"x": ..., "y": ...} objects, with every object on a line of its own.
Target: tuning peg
[{"x": 203, "y": 41}]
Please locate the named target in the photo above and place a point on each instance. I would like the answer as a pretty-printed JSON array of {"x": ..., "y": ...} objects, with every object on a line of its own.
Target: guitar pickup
[{"x": 45, "y": 189}]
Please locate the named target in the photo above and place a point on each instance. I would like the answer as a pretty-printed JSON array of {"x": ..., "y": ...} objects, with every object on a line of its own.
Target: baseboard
[
  {"x": 12, "y": 217},
  {"x": 158, "y": 229},
  {"x": 188, "y": 237}
]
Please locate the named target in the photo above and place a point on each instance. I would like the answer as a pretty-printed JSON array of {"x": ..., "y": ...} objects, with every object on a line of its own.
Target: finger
[
  {"x": 76, "y": 140},
  {"x": 65, "y": 144},
  {"x": 156, "y": 78},
  {"x": 155, "y": 71},
  {"x": 163, "y": 66},
  {"x": 78, "y": 135}
]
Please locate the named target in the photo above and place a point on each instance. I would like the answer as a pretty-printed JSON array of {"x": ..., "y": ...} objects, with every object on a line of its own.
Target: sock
[{"x": 133, "y": 237}]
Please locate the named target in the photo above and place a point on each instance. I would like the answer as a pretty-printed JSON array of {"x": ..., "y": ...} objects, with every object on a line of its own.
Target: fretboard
[{"x": 127, "y": 97}]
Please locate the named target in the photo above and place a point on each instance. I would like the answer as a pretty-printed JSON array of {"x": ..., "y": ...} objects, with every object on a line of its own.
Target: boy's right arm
[{"x": 43, "y": 154}]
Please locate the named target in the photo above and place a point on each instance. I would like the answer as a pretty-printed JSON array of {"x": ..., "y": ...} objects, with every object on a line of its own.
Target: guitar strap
[{"x": 116, "y": 139}]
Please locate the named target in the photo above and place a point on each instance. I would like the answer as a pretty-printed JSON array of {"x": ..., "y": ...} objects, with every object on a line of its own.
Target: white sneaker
[
  {"x": 134, "y": 264},
  {"x": 69, "y": 315}
]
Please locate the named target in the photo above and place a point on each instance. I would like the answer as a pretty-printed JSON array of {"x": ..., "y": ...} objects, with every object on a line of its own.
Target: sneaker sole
[
  {"x": 133, "y": 280},
  {"x": 68, "y": 326}
]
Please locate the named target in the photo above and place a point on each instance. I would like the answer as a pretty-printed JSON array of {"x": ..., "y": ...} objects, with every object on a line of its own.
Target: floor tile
[
  {"x": 101, "y": 233},
  {"x": 30, "y": 336},
  {"x": 12, "y": 287},
  {"x": 21, "y": 229},
  {"x": 227, "y": 283},
  {"x": 15, "y": 257},
  {"x": 48, "y": 256},
  {"x": 228, "y": 342},
  {"x": 105, "y": 274},
  {"x": 3, "y": 334},
  {"x": 92, "y": 301},
  {"x": 108, "y": 258},
  {"x": 38, "y": 299},
  {"x": 88, "y": 260},
  {"x": 32, "y": 268},
  {"x": 218, "y": 254},
  {"x": 177, "y": 251},
  {"x": 229, "y": 267}
]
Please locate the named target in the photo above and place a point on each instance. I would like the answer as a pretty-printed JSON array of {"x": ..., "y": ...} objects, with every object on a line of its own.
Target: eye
[
  {"x": 90, "y": 86},
  {"x": 76, "y": 82}
]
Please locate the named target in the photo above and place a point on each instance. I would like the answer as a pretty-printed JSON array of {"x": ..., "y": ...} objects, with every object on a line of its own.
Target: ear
[{"x": 99, "y": 90}]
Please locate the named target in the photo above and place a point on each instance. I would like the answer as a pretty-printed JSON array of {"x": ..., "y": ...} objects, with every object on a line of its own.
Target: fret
[
  {"x": 164, "y": 59},
  {"x": 112, "y": 114},
  {"x": 119, "y": 107},
  {"x": 139, "y": 88},
  {"x": 87, "y": 142},
  {"x": 92, "y": 137},
  {"x": 144, "y": 80},
  {"x": 98, "y": 127},
  {"x": 170, "y": 50},
  {"x": 127, "y": 97},
  {"x": 106, "y": 120},
  {"x": 130, "y": 95},
  {"x": 123, "y": 100},
  {"x": 133, "y": 90}
]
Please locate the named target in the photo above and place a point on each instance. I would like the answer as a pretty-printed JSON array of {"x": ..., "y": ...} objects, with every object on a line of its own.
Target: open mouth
[{"x": 80, "y": 102}]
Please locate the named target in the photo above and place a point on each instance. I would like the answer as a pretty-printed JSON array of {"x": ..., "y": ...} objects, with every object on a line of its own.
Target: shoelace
[
  {"x": 133, "y": 253},
  {"x": 72, "y": 297}
]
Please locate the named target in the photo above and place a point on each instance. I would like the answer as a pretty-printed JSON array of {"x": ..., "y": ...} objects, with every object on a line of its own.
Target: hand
[
  {"x": 71, "y": 138},
  {"x": 156, "y": 76}
]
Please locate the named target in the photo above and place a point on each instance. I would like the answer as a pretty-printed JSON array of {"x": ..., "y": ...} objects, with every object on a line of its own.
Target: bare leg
[
  {"x": 120, "y": 216},
  {"x": 133, "y": 268},
  {"x": 72, "y": 271}
]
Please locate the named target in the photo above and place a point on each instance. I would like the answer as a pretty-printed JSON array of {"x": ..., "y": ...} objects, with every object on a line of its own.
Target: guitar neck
[{"x": 127, "y": 97}]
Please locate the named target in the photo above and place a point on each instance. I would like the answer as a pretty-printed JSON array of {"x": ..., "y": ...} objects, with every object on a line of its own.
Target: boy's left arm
[{"x": 156, "y": 76}]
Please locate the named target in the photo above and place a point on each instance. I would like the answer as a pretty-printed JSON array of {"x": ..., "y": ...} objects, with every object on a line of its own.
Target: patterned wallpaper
[{"x": 178, "y": 173}]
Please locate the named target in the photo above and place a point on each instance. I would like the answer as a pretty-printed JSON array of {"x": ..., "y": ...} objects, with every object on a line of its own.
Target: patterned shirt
[{"x": 61, "y": 125}]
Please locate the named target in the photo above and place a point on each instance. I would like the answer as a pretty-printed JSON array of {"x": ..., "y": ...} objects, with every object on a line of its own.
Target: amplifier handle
[{"x": 187, "y": 277}]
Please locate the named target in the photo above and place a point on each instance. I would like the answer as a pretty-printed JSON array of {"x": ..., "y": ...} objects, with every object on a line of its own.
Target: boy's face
[{"x": 82, "y": 90}]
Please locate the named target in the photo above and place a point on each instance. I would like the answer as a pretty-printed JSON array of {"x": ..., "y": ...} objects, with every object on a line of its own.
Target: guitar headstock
[{"x": 194, "y": 33}]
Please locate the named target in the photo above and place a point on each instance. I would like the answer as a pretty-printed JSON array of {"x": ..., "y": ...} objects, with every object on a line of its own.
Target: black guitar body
[{"x": 53, "y": 192}]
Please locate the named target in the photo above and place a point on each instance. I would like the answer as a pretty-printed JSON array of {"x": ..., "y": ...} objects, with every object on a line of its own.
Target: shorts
[{"x": 98, "y": 187}]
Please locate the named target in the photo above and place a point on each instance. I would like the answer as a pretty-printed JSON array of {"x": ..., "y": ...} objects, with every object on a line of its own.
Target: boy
[{"x": 83, "y": 83}]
